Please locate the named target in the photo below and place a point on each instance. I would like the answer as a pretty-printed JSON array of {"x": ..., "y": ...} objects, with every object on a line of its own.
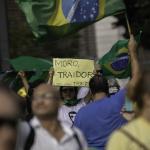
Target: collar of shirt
[{"x": 69, "y": 133}]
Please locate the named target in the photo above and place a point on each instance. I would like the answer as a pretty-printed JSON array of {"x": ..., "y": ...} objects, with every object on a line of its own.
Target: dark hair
[
  {"x": 33, "y": 85},
  {"x": 61, "y": 89},
  {"x": 36, "y": 83},
  {"x": 98, "y": 84},
  {"x": 143, "y": 87}
]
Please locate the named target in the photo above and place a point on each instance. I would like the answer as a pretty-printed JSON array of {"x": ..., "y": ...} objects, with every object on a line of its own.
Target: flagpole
[{"x": 128, "y": 24}]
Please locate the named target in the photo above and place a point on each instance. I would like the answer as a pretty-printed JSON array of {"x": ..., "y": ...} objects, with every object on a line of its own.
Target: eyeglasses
[
  {"x": 68, "y": 90},
  {"x": 12, "y": 122},
  {"x": 46, "y": 96}
]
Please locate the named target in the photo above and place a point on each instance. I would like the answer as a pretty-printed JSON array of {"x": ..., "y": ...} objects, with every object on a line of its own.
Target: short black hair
[{"x": 98, "y": 84}]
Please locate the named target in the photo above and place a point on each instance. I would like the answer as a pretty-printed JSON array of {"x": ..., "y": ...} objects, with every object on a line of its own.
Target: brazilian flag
[
  {"x": 58, "y": 18},
  {"x": 117, "y": 62}
]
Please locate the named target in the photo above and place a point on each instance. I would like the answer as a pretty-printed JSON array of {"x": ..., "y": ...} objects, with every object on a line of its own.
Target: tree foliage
[{"x": 138, "y": 12}]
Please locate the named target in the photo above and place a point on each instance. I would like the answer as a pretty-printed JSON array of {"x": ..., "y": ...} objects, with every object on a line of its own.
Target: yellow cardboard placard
[{"x": 72, "y": 72}]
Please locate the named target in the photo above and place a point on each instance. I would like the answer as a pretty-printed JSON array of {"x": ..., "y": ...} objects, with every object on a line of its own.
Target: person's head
[
  {"x": 99, "y": 84},
  {"x": 68, "y": 93},
  {"x": 34, "y": 85},
  {"x": 142, "y": 91},
  {"x": 45, "y": 102},
  {"x": 9, "y": 116}
]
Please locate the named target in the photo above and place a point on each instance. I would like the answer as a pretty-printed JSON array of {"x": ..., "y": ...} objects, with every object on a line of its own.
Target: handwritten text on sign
[{"x": 72, "y": 72}]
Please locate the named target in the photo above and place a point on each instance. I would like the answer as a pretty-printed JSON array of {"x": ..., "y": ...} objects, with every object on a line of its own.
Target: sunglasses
[
  {"x": 68, "y": 90},
  {"x": 11, "y": 122}
]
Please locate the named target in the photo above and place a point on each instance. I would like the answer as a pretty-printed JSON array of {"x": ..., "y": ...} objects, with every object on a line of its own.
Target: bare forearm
[
  {"x": 135, "y": 67},
  {"x": 51, "y": 74},
  {"x": 50, "y": 80},
  {"x": 25, "y": 83}
]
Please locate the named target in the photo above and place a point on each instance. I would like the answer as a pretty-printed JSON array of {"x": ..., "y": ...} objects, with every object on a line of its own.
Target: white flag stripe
[{"x": 73, "y": 10}]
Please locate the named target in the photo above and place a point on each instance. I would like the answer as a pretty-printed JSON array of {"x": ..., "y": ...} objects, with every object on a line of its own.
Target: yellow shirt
[{"x": 138, "y": 128}]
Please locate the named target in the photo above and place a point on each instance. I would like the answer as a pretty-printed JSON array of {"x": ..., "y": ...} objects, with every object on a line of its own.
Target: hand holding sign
[
  {"x": 51, "y": 74},
  {"x": 72, "y": 72}
]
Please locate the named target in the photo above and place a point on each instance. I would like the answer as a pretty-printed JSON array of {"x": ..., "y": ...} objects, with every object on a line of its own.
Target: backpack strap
[
  {"x": 30, "y": 139},
  {"x": 132, "y": 138},
  {"x": 77, "y": 139}
]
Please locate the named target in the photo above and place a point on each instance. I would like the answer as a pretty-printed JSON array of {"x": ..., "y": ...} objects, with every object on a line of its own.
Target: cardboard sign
[{"x": 72, "y": 72}]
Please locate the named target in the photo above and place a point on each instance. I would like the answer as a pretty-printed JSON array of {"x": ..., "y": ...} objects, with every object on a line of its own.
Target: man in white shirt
[{"x": 49, "y": 132}]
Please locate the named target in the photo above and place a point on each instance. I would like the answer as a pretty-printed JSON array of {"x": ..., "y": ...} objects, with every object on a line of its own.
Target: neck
[
  {"x": 52, "y": 125},
  {"x": 146, "y": 114},
  {"x": 99, "y": 96},
  {"x": 49, "y": 123}
]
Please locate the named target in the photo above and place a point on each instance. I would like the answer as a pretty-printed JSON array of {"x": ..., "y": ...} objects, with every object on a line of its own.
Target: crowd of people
[{"x": 72, "y": 118}]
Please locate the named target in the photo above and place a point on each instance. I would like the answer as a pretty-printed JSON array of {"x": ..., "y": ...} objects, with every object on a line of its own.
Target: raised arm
[
  {"x": 135, "y": 67},
  {"x": 51, "y": 74},
  {"x": 24, "y": 80}
]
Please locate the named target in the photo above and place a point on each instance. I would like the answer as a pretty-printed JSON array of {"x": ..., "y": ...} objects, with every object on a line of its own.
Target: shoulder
[
  {"x": 113, "y": 141},
  {"x": 118, "y": 135},
  {"x": 133, "y": 126},
  {"x": 73, "y": 131},
  {"x": 115, "y": 137},
  {"x": 124, "y": 140},
  {"x": 24, "y": 130}
]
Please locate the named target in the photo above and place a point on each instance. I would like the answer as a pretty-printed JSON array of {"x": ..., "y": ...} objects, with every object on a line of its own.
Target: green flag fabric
[
  {"x": 58, "y": 18},
  {"x": 39, "y": 76},
  {"x": 39, "y": 66},
  {"x": 28, "y": 63},
  {"x": 117, "y": 62}
]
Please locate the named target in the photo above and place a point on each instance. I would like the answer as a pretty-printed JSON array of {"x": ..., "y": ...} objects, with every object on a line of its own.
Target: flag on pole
[
  {"x": 117, "y": 62},
  {"x": 58, "y": 18}
]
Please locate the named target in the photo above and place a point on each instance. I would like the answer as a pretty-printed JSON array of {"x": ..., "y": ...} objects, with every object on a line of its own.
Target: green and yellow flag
[
  {"x": 58, "y": 18},
  {"x": 117, "y": 61}
]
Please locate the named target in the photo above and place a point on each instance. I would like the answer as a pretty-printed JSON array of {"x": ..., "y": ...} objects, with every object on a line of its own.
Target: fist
[
  {"x": 21, "y": 74},
  {"x": 51, "y": 72},
  {"x": 132, "y": 45}
]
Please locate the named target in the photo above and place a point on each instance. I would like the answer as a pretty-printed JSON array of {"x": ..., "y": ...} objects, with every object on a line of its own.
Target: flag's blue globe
[
  {"x": 78, "y": 11},
  {"x": 121, "y": 63}
]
